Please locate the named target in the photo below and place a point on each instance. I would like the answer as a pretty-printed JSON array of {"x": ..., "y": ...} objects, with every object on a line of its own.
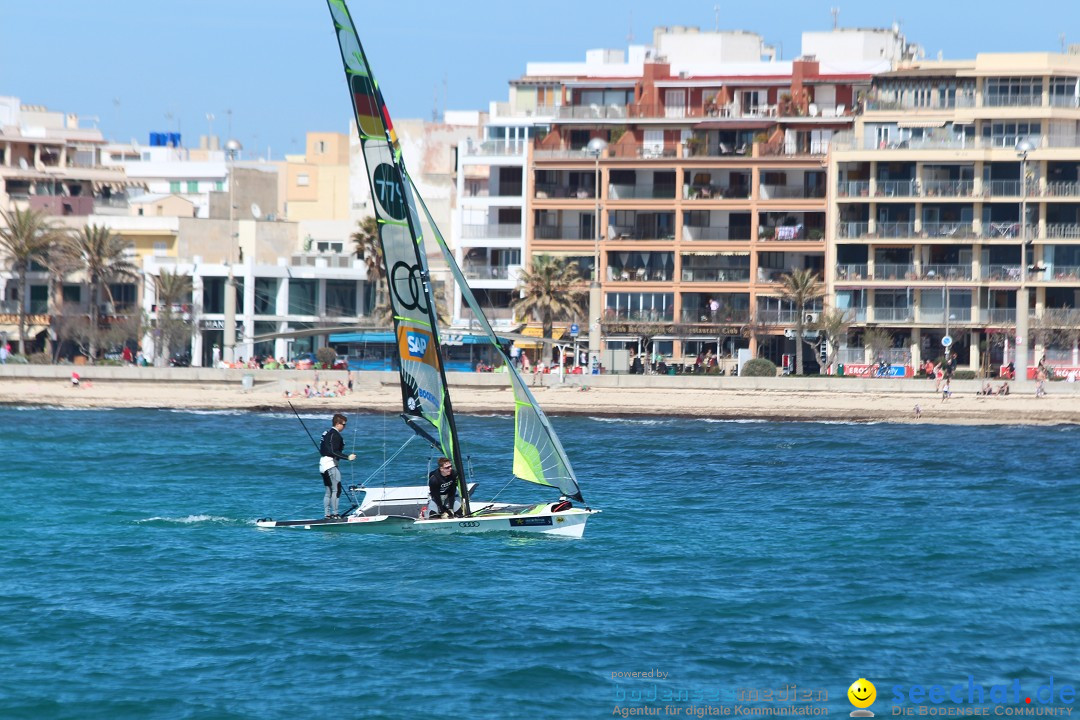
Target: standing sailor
[
  {"x": 442, "y": 484},
  {"x": 332, "y": 449}
]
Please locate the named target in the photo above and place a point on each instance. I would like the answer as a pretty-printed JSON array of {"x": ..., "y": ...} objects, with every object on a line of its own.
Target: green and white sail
[
  {"x": 538, "y": 455},
  {"x": 425, "y": 399}
]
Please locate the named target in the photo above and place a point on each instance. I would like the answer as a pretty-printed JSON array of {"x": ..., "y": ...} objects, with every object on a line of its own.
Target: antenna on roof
[
  {"x": 1062, "y": 38},
  {"x": 630, "y": 32},
  {"x": 835, "y": 17},
  {"x": 716, "y": 12},
  {"x": 435, "y": 105}
]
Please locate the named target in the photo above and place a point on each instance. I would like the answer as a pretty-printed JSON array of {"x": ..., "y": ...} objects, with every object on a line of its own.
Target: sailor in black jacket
[
  {"x": 332, "y": 449},
  {"x": 442, "y": 484}
]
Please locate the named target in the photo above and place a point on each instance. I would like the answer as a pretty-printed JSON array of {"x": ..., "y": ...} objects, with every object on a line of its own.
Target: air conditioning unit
[{"x": 811, "y": 317}]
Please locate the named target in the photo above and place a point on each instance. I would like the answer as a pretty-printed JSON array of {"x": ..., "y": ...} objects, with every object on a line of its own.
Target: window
[
  {"x": 193, "y": 186},
  {"x": 302, "y": 297},
  {"x": 303, "y": 180},
  {"x": 266, "y": 296},
  {"x": 174, "y": 186},
  {"x": 321, "y": 147},
  {"x": 160, "y": 247},
  {"x": 1013, "y": 91},
  {"x": 219, "y": 186}
]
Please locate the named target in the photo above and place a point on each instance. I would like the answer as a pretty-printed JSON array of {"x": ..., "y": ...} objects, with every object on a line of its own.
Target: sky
[{"x": 158, "y": 65}]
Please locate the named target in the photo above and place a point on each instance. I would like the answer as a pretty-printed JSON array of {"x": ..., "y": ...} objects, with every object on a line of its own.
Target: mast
[{"x": 425, "y": 394}]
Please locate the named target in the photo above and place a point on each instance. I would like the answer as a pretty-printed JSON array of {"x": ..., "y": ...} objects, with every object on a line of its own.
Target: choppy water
[{"x": 133, "y": 583}]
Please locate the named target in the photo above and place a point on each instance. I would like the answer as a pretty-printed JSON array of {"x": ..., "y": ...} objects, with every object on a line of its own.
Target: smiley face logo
[{"x": 862, "y": 694}]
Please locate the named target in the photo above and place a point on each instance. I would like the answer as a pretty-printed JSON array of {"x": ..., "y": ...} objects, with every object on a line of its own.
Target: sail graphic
[
  {"x": 538, "y": 455},
  {"x": 425, "y": 400}
]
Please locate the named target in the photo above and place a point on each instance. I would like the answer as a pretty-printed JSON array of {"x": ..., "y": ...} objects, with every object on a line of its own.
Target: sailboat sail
[
  {"x": 538, "y": 455},
  {"x": 425, "y": 399}
]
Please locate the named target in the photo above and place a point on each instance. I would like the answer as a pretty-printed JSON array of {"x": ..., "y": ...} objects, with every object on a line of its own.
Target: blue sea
[{"x": 731, "y": 559}]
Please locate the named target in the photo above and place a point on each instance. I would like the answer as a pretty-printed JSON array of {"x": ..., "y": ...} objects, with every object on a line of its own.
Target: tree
[
  {"x": 59, "y": 261},
  {"x": 173, "y": 293},
  {"x": 104, "y": 258},
  {"x": 369, "y": 248},
  {"x": 800, "y": 288},
  {"x": 877, "y": 340},
  {"x": 832, "y": 326},
  {"x": 551, "y": 289},
  {"x": 25, "y": 238}
]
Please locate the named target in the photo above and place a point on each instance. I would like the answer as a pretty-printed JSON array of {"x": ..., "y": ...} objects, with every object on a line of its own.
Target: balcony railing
[
  {"x": 946, "y": 272},
  {"x": 657, "y": 315},
  {"x": 777, "y": 317},
  {"x": 852, "y": 271},
  {"x": 1001, "y": 273},
  {"x": 713, "y": 275},
  {"x": 1063, "y": 189},
  {"x": 894, "y": 314},
  {"x": 721, "y": 317},
  {"x": 631, "y": 274},
  {"x": 715, "y": 232},
  {"x": 490, "y": 231},
  {"x": 547, "y": 190},
  {"x": 894, "y": 229},
  {"x": 998, "y": 316},
  {"x": 894, "y": 271},
  {"x": 1062, "y": 231},
  {"x": 1031, "y": 100},
  {"x": 1060, "y": 273},
  {"x": 500, "y": 190},
  {"x": 496, "y": 147},
  {"x": 562, "y": 233},
  {"x": 716, "y": 192},
  {"x": 953, "y": 230},
  {"x": 853, "y": 188},
  {"x": 784, "y": 192},
  {"x": 486, "y": 272},
  {"x": 936, "y": 315},
  {"x": 853, "y": 229},
  {"x": 897, "y": 188},
  {"x": 626, "y": 192},
  {"x": 1001, "y": 188},
  {"x": 948, "y": 188},
  {"x": 1065, "y": 101}
]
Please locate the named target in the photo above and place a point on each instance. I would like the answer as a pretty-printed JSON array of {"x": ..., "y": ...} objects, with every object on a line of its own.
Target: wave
[
  {"x": 631, "y": 421},
  {"x": 192, "y": 519}
]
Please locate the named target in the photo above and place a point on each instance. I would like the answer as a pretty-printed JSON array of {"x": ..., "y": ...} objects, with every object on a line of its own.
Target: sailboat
[{"x": 538, "y": 456}]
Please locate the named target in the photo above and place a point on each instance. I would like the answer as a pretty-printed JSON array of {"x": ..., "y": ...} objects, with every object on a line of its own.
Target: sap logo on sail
[{"x": 417, "y": 344}]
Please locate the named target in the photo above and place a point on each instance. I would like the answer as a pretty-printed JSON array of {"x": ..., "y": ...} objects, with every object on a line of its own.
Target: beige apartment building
[{"x": 926, "y": 196}]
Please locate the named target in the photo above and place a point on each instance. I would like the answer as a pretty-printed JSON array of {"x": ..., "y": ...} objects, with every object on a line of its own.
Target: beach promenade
[{"x": 808, "y": 398}]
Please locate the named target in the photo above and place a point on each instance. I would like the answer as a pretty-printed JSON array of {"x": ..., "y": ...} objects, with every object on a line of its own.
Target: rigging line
[
  {"x": 388, "y": 460},
  {"x": 341, "y": 486},
  {"x": 512, "y": 478}
]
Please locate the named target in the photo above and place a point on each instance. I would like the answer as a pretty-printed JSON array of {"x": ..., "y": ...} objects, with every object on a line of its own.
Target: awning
[
  {"x": 388, "y": 338},
  {"x": 556, "y": 334},
  {"x": 12, "y": 331},
  {"x": 921, "y": 123}
]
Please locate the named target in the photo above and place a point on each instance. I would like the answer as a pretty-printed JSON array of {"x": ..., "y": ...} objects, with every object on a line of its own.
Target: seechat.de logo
[
  {"x": 862, "y": 694},
  {"x": 417, "y": 344}
]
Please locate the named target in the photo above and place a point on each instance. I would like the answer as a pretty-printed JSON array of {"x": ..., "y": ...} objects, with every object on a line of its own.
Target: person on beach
[
  {"x": 442, "y": 484},
  {"x": 946, "y": 392},
  {"x": 331, "y": 450},
  {"x": 3, "y": 354}
]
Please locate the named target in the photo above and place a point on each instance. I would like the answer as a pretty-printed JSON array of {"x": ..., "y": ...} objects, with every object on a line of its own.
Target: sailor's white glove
[{"x": 353, "y": 456}]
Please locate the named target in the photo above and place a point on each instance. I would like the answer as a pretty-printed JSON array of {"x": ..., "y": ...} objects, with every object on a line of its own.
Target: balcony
[
  {"x": 853, "y": 188},
  {"x": 563, "y": 233},
  {"x": 716, "y": 192},
  {"x": 644, "y": 191},
  {"x": 545, "y": 191},
  {"x": 853, "y": 229},
  {"x": 937, "y": 316},
  {"x": 894, "y": 230},
  {"x": 1025, "y": 100},
  {"x": 715, "y": 232},
  {"x": 893, "y": 271},
  {"x": 998, "y": 316},
  {"x": 777, "y": 317},
  {"x": 1001, "y": 273},
  {"x": 896, "y": 188},
  {"x": 715, "y": 275},
  {"x": 788, "y": 233},
  {"x": 472, "y": 231},
  {"x": 489, "y": 148},
  {"x": 1062, "y": 273},
  {"x": 657, "y": 315},
  {"x": 949, "y": 230},
  {"x": 894, "y": 314},
  {"x": 852, "y": 271},
  {"x": 723, "y": 316},
  {"x": 948, "y": 188},
  {"x": 1001, "y": 188},
  {"x": 1063, "y": 189},
  {"x": 789, "y": 192},
  {"x": 501, "y": 190},
  {"x": 474, "y": 271},
  {"x": 1061, "y": 231},
  {"x": 947, "y": 272}
]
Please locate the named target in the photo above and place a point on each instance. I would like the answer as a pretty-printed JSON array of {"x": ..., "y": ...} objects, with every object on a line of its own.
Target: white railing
[
  {"x": 490, "y": 231},
  {"x": 946, "y": 272},
  {"x": 852, "y": 271},
  {"x": 893, "y": 271}
]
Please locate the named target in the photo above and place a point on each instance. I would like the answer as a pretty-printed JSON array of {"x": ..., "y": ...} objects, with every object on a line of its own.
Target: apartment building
[
  {"x": 926, "y": 210},
  {"x": 704, "y": 183}
]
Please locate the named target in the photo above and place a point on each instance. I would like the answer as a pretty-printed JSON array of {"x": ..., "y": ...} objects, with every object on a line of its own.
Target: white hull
[
  {"x": 387, "y": 524},
  {"x": 569, "y": 523}
]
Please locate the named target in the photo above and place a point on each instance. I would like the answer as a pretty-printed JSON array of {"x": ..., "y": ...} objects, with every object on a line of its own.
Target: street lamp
[
  {"x": 232, "y": 149},
  {"x": 1022, "y": 149},
  {"x": 596, "y": 148}
]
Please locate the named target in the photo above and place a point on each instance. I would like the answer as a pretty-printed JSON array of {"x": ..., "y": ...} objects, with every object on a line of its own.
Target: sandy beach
[{"x": 802, "y": 400}]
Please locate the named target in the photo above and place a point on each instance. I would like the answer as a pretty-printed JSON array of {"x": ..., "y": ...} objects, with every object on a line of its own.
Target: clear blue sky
[{"x": 275, "y": 63}]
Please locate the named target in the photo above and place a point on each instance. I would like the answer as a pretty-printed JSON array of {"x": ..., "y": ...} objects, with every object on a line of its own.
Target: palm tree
[
  {"x": 832, "y": 327},
  {"x": 25, "y": 238},
  {"x": 369, "y": 247},
  {"x": 550, "y": 289},
  {"x": 801, "y": 287},
  {"x": 172, "y": 289},
  {"x": 60, "y": 261},
  {"x": 104, "y": 258}
]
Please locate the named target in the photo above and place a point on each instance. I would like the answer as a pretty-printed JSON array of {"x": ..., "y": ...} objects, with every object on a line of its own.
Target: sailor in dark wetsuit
[
  {"x": 332, "y": 449},
  {"x": 442, "y": 484}
]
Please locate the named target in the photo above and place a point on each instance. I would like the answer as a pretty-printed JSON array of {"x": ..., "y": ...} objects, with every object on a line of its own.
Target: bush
[
  {"x": 326, "y": 356},
  {"x": 759, "y": 367},
  {"x": 17, "y": 359},
  {"x": 964, "y": 375},
  {"x": 39, "y": 359}
]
